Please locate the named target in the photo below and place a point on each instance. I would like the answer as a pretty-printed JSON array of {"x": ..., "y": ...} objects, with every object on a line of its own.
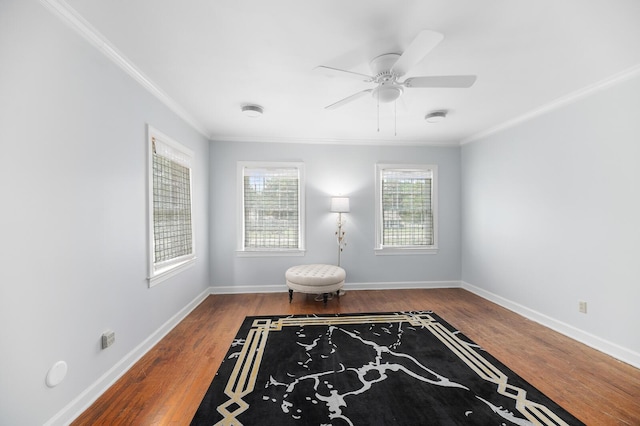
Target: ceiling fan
[{"x": 387, "y": 69}]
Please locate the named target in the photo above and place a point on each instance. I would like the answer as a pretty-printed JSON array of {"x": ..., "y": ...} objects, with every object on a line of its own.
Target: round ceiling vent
[
  {"x": 252, "y": 110},
  {"x": 435, "y": 116}
]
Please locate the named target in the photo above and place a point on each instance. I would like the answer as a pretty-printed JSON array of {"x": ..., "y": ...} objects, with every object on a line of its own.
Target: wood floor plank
[{"x": 168, "y": 383}]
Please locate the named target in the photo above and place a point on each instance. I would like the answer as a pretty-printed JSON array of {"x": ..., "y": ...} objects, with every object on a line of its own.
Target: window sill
[
  {"x": 401, "y": 251},
  {"x": 169, "y": 271},
  {"x": 269, "y": 253}
]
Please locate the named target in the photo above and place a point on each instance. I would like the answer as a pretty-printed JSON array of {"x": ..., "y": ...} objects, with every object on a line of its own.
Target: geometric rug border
[{"x": 255, "y": 332}]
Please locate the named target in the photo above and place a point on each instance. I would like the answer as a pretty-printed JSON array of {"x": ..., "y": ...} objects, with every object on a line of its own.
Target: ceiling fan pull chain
[
  {"x": 378, "y": 97},
  {"x": 395, "y": 118}
]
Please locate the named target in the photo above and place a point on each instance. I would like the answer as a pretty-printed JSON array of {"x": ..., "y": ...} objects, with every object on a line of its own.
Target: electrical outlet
[
  {"x": 108, "y": 338},
  {"x": 582, "y": 306}
]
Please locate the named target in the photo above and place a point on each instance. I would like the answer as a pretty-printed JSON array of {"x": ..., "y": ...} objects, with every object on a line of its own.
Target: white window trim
[
  {"x": 379, "y": 249},
  {"x": 164, "y": 270},
  {"x": 241, "y": 251}
]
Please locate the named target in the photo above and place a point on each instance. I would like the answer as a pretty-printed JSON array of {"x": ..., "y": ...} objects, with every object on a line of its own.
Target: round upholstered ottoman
[{"x": 315, "y": 279}]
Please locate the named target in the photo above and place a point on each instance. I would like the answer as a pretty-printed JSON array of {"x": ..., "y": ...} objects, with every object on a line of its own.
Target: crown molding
[
  {"x": 558, "y": 103},
  {"x": 333, "y": 141},
  {"x": 74, "y": 20}
]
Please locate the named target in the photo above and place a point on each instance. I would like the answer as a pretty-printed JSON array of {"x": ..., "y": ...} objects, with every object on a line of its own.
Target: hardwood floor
[{"x": 168, "y": 383}]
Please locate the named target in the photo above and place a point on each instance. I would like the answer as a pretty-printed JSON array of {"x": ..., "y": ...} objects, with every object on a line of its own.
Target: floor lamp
[{"x": 340, "y": 205}]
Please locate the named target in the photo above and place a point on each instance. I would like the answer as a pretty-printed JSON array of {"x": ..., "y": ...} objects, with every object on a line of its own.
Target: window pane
[
  {"x": 271, "y": 208},
  {"x": 407, "y": 212},
  {"x": 172, "y": 229}
]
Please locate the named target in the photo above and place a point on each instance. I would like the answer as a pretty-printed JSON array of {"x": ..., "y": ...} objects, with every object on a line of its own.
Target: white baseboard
[
  {"x": 402, "y": 285},
  {"x": 242, "y": 289},
  {"x": 619, "y": 352},
  {"x": 89, "y": 395},
  {"x": 282, "y": 288}
]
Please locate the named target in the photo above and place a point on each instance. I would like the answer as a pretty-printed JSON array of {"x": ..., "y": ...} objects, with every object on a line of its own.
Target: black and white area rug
[{"x": 402, "y": 368}]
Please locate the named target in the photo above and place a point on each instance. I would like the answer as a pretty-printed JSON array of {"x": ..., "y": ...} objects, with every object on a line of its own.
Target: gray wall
[
  {"x": 74, "y": 215},
  {"x": 535, "y": 217},
  {"x": 333, "y": 170},
  {"x": 550, "y": 216}
]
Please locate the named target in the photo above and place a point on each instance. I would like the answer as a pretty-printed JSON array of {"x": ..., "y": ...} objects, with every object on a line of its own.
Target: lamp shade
[{"x": 340, "y": 204}]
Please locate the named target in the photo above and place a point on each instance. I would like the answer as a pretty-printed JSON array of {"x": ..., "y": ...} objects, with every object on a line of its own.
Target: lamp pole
[
  {"x": 340, "y": 205},
  {"x": 340, "y": 236}
]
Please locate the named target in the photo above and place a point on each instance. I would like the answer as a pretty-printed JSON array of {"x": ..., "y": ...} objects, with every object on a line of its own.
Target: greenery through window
[
  {"x": 271, "y": 201},
  {"x": 406, "y": 206}
]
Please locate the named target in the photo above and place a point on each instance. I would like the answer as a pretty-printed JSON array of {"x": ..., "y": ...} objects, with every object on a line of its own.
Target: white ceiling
[{"x": 211, "y": 56}]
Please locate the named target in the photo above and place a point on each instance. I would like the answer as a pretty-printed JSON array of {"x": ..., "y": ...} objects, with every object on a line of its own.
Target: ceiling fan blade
[
  {"x": 418, "y": 49},
  {"x": 452, "y": 81},
  {"x": 349, "y": 99},
  {"x": 344, "y": 73}
]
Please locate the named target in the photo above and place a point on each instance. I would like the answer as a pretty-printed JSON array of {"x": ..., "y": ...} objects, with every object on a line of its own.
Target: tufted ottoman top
[{"x": 315, "y": 274}]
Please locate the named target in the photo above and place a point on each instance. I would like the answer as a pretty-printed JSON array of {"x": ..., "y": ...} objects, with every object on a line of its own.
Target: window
[
  {"x": 272, "y": 208},
  {"x": 170, "y": 197},
  {"x": 406, "y": 214}
]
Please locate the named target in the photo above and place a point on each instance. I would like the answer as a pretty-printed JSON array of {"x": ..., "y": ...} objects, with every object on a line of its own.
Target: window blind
[
  {"x": 407, "y": 212},
  {"x": 271, "y": 208},
  {"x": 166, "y": 150},
  {"x": 172, "y": 222}
]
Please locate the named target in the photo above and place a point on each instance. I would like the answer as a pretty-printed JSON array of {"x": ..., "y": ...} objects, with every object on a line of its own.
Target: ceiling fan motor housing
[
  {"x": 388, "y": 90},
  {"x": 383, "y": 64}
]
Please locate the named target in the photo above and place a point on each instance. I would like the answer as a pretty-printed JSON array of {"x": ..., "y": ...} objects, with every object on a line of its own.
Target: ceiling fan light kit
[
  {"x": 252, "y": 111},
  {"x": 387, "y": 93}
]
